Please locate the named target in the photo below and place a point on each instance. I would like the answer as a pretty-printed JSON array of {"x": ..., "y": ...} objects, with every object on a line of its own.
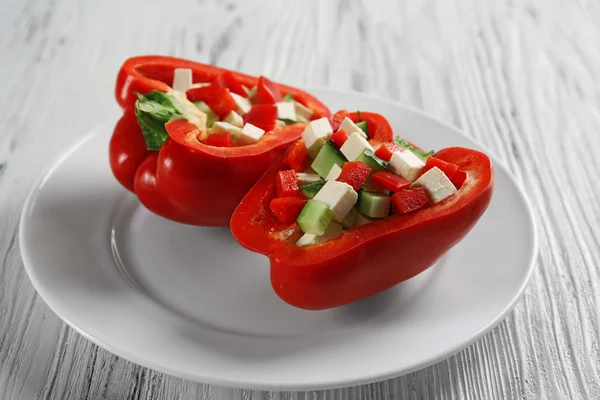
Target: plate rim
[{"x": 324, "y": 384}]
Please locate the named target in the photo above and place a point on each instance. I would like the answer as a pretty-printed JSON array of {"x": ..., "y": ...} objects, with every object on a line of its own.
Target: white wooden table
[{"x": 522, "y": 77}]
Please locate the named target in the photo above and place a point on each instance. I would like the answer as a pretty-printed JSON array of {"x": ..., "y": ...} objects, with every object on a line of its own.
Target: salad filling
[
  {"x": 342, "y": 179},
  {"x": 225, "y": 112}
]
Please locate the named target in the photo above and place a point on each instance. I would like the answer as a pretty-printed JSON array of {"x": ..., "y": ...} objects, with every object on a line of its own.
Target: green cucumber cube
[
  {"x": 314, "y": 218},
  {"x": 374, "y": 205},
  {"x": 363, "y": 127},
  {"x": 288, "y": 97},
  {"x": 310, "y": 190},
  {"x": 211, "y": 116},
  {"x": 369, "y": 158},
  {"x": 328, "y": 155}
]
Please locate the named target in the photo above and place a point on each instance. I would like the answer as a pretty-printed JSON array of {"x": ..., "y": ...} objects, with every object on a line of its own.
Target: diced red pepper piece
[
  {"x": 459, "y": 178},
  {"x": 447, "y": 168},
  {"x": 390, "y": 181},
  {"x": 337, "y": 119},
  {"x": 287, "y": 183},
  {"x": 262, "y": 115},
  {"x": 267, "y": 92},
  {"x": 386, "y": 150},
  {"x": 220, "y": 139},
  {"x": 339, "y": 137},
  {"x": 287, "y": 209},
  {"x": 297, "y": 159},
  {"x": 409, "y": 200},
  {"x": 217, "y": 98},
  {"x": 354, "y": 174},
  {"x": 227, "y": 80}
]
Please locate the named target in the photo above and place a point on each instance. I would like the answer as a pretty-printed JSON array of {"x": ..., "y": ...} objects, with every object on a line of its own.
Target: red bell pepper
[
  {"x": 369, "y": 258},
  {"x": 297, "y": 159},
  {"x": 262, "y": 115},
  {"x": 447, "y": 168},
  {"x": 186, "y": 180},
  {"x": 287, "y": 183},
  {"x": 287, "y": 209},
  {"x": 217, "y": 98},
  {"x": 354, "y": 174},
  {"x": 339, "y": 137},
  {"x": 390, "y": 181},
  {"x": 228, "y": 80},
  {"x": 220, "y": 139},
  {"x": 459, "y": 178},
  {"x": 386, "y": 150},
  {"x": 406, "y": 200},
  {"x": 267, "y": 92}
]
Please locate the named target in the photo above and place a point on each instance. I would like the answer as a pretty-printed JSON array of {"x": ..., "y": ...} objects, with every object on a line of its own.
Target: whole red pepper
[
  {"x": 366, "y": 259},
  {"x": 186, "y": 180}
]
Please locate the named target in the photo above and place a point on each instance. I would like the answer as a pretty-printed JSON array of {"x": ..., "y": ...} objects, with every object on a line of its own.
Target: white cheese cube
[
  {"x": 406, "y": 164},
  {"x": 354, "y": 147},
  {"x": 221, "y": 126},
  {"x": 235, "y": 119},
  {"x": 279, "y": 124},
  {"x": 333, "y": 230},
  {"x": 315, "y": 134},
  {"x": 250, "y": 134},
  {"x": 243, "y": 104},
  {"x": 334, "y": 173},
  {"x": 182, "y": 79},
  {"x": 339, "y": 197},
  {"x": 304, "y": 178},
  {"x": 302, "y": 111},
  {"x": 349, "y": 126},
  {"x": 199, "y": 85},
  {"x": 285, "y": 110},
  {"x": 437, "y": 185}
]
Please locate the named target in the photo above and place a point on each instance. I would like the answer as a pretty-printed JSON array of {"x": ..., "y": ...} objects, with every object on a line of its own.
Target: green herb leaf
[
  {"x": 423, "y": 155},
  {"x": 288, "y": 97},
  {"x": 153, "y": 110},
  {"x": 288, "y": 121},
  {"x": 371, "y": 154},
  {"x": 310, "y": 190}
]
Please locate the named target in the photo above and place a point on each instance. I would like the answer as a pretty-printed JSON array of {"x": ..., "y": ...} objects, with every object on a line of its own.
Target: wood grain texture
[{"x": 523, "y": 78}]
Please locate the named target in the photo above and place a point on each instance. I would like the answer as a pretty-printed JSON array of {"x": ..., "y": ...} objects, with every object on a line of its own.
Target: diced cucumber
[
  {"x": 363, "y": 127},
  {"x": 327, "y": 157},
  {"x": 369, "y": 158},
  {"x": 306, "y": 178},
  {"x": 288, "y": 97},
  {"x": 211, "y": 116},
  {"x": 314, "y": 218},
  {"x": 350, "y": 219},
  {"x": 374, "y": 205},
  {"x": 310, "y": 190}
]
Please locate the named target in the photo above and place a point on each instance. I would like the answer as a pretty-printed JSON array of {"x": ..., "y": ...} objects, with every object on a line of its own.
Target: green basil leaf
[{"x": 423, "y": 155}]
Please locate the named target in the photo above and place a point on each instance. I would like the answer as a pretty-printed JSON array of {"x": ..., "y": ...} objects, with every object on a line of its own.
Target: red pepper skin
[
  {"x": 228, "y": 80},
  {"x": 297, "y": 159},
  {"x": 339, "y": 137},
  {"x": 459, "y": 178},
  {"x": 354, "y": 174},
  {"x": 406, "y": 201},
  {"x": 386, "y": 150},
  {"x": 390, "y": 181},
  {"x": 263, "y": 116},
  {"x": 267, "y": 92},
  {"x": 186, "y": 180},
  {"x": 287, "y": 209},
  {"x": 287, "y": 183},
  {"x": 336, "y": 119},
  {"x": 367, "y": 259},
  {"x": 220, "y": 139},
  {"x": 217, "y": 98}
]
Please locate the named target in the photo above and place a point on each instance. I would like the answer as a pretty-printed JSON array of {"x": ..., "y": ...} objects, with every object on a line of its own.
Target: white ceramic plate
[{"x": 191, "y": 302}]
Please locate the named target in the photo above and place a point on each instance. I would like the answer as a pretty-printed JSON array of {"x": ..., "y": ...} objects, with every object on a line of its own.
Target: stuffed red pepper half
[
  {"x": 348, "y": 211},
  {"x": 194, "y": 138}
]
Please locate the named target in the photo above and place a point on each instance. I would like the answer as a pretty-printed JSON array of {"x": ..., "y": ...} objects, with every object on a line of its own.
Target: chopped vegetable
[
  {"x": 217, "y": 98},
  {"x": 227, "y": 80},
  {"x": 297, "y": 159},
  {"x": 262, "y": 116},
  {"x": 374, "y": 205},
  {"x": 286, "y": 183},
  {"x": 447, "y": 168},
  {"x": 310, "y": 190},
  {"x": 339, "y": 137},
  {"x": 389, "y": 181},
  {"x": 409, "y": 200},
  {"x": 327, "y": 157},
  {"x": 287, "y": 209},
  {"x": 355, "y": 174},
  {"x": 220, "y": 139},
  {"x": 314, "y": 217},
  {"x": 386, "y": 150},
  {"x": 423, "y": 155},
  {"x": 267, "y": 92}
]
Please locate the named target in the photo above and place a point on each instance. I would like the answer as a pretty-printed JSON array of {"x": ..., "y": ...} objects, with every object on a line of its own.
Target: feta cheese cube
[
  {"x": 334, "y": 173},
  {"x": 354, "y": 147},
  {"x": 182, "y": 79},
  {"x": 304, "y": 178},
  {"x": 250, "y": 134},
  {"x": 315, "y": 134},
  {"x": 302, "y": 111},
  {"x": 437, "y": 185},
  {"x": 349, "y": 126},
  {"x": 235, "y": 119},
  {"x": 333, "y": 230},
  {"x": 406, "y": 164},
  {"x": 243, "y": 104},
  {"x": 285, "y": 110},
  {"x": 199, "y": 85},
  {"x": 339, "y": 197},
  {"x": 221, "y": 126}
]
